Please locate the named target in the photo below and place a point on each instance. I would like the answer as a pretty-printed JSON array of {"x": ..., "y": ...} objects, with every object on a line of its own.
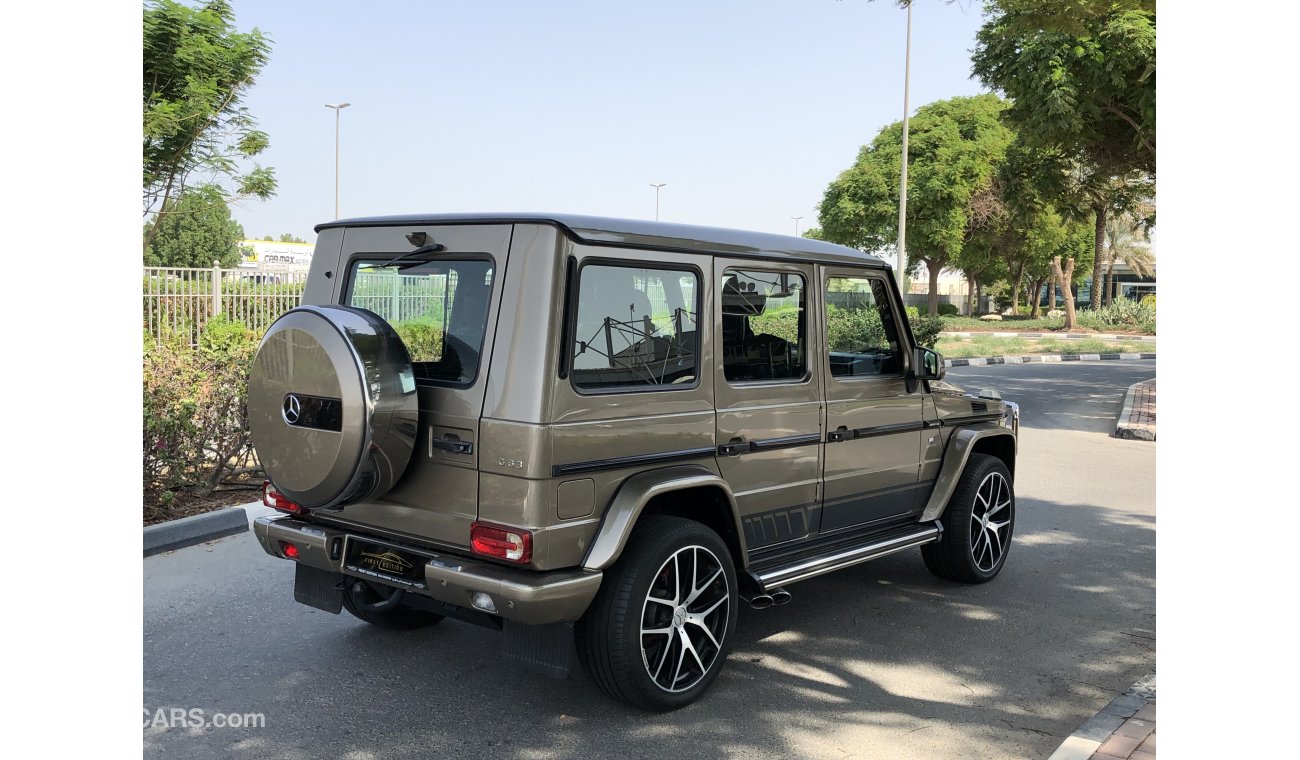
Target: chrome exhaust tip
[
  {"x": 760, "y": 602},
  {"x": 781, "y": 596}
]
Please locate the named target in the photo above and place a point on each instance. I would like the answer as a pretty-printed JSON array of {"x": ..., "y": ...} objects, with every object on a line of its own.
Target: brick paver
[
  {"x": 1135, "y": 739},
  {"x": 1138, "y": 418}
]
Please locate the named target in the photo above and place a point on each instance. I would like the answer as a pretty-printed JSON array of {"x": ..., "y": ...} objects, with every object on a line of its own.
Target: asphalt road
[{"x": 880, "y": 660}]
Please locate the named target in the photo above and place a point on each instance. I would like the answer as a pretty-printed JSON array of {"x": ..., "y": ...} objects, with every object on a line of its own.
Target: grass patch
[{"x": 982, "y": 345}]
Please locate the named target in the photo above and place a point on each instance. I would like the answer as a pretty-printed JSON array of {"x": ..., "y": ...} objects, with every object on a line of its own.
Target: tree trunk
[
  {"x": 1065, "y": 276},
  {"x": 1098, "y": 248},
  {"x": 1036, "y": 308},
  {"x": 1110, "y": 281},
  {"x": 1015, "y": 289},
  {"x": 979, "y": 296},
  {"x": 932, "y": 299},
  {"x": 970, "y": 296}
]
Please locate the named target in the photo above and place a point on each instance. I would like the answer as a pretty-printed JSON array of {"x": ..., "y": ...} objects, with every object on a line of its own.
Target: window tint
[
  {"x": 764, "y": 325},
  {"x": 861, "y": 331},
  {"x": 439, "y": 309},
  {"x": 636, "y": 326}
]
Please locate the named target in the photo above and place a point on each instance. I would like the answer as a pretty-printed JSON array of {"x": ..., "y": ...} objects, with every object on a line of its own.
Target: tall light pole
[
  {"x": 656, "y": 187},
  {"x": 338, "y": 109},
  {"x": 902, "y": 183},
  {"x": 796, "y": 224}
]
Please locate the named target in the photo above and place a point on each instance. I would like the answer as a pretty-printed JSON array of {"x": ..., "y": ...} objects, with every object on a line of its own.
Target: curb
[
  {"x": 1125, "y": 430},
  {"x": 1043, "y": 359},
  {"x": 1063, "y": 336},
  {"x": 1085, "y": 740},
  {"x": 195, "y": 529}
]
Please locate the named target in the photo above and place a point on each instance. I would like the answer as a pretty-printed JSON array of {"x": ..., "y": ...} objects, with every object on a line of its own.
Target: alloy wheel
[
  {"x": 684, "y": 618},
  {"x": 990, "y": 521}
]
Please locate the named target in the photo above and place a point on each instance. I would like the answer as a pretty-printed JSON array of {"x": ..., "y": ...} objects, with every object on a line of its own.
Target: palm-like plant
[{"x": 1128, "y": 238}]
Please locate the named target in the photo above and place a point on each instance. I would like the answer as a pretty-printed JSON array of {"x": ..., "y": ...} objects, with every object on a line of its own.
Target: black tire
[
  {"x": 360, "y": 598},
  {"x": 610, "y": 637},
  {"x": 966, "y": 552}
]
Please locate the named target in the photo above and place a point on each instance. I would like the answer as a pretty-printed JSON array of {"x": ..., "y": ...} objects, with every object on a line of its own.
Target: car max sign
[{"x": 263, "y": 254}]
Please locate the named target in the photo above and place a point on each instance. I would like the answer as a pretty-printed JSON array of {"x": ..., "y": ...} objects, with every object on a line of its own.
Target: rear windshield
[{"x": 439, "y": 308}]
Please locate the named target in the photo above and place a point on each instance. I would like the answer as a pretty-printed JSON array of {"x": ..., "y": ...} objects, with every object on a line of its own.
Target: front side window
[
  {"x": 764, "y": 325},
  {"x": 861, "y": 331},
  {"x": 635, "y": 328},
  {"x": 439, "y": 308}
]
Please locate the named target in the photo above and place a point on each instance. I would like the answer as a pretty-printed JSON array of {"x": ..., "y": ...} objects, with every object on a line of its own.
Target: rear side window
[
  {"x": 439, "y": 308},
  {"x": 764, "y": 325},
  {"x": 861, "y": 331},
  {"x": 635, "y": 328}
]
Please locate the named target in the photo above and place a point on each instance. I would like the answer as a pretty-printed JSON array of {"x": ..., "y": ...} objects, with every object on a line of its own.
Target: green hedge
[{"x": 195, "y": 416}]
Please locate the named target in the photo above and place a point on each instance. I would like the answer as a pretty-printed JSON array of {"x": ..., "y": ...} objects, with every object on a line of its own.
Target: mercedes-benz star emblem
[{"x": 292, "y": 409}]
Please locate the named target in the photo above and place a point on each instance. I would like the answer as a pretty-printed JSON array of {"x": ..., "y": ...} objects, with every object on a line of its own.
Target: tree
[
  {"x": 197, "y": 230},
  {"x": 1127, "y": 236},
  {"x": 197, "y": 69},
  {"x": 954, "y": 149},
  {"x": 286, "y": 237},
  {"x": 1085, "y": 88}
]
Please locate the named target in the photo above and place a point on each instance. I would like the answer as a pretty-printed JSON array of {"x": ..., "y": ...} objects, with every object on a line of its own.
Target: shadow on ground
[{"x": 881, "y": 660}]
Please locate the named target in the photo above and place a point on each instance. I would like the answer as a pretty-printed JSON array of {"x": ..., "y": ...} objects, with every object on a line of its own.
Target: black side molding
[{"x": 614, "y": 463}]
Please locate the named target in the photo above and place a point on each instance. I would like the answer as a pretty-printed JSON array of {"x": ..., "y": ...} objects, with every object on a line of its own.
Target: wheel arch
[
  {"x": 690, "y": 491},
  {"x": 985, "y": 438}
]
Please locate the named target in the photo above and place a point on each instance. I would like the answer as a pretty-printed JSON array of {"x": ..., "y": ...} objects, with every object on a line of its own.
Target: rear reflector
[
  {"x": 288, "y": 550},
  {"x": 501, "y": 542},
  {"x": 276, "y": 500}
]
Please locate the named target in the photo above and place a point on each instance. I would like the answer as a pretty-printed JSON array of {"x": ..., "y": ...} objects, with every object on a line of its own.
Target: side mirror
[{"x": 927, "y": 364}]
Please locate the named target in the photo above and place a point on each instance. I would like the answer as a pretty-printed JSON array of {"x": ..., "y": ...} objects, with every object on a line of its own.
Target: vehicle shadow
[{"x": 879, "y": 660}]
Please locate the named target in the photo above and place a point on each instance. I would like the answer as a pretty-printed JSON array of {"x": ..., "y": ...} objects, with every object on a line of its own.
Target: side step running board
[{"x": 811, "y": 568}]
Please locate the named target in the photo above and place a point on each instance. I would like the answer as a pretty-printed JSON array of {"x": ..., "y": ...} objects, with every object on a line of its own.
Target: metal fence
[{"x": 178, "y": 302}]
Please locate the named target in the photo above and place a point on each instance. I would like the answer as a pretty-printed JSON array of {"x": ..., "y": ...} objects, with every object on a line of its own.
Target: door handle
[
  {"x": 734, "y": 448},
  {"x": 453, "y": 445},
  {"x": 840, "y": 433}
]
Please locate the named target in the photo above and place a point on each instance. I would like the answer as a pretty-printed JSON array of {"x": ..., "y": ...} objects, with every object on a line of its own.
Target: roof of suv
[{"x": 636, "y": 233}]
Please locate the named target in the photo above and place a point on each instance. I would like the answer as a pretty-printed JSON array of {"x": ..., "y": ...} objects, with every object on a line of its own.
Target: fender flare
[
  {"x": 956, "y": 454},
  {"x": 632, "y": 497}
]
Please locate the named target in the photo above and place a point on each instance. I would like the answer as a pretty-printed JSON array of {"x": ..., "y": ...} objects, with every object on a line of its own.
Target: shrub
[
  {"x": 1120, "y": 314},
  {"x": 926, "y": 330},
  {"x": 852, "y": 329},
  {"x": 1149, "y": 300},
  {"x": 948, "y": 309},
  {"x": 423, "y": 338},
  {"x": 195, "y": 413}
]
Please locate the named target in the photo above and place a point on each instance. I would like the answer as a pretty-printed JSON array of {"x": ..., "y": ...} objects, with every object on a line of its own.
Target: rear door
[
  {"x": 442, "y": 305},
  {"x": 768, "y": 397},
  {"x": 873, "y": 424}
]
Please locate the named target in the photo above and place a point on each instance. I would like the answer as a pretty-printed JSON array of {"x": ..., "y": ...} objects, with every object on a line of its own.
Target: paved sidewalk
[
  {"x": 1138, "y": 418},
  {"x": 1125, "y": 729}
]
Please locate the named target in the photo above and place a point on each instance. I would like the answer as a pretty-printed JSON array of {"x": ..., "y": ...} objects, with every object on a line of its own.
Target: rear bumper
[{"x": 525, "y": 596}]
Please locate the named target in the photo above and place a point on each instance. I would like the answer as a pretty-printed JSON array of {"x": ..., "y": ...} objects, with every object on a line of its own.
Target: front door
[
  {"x": 873, "y": 424},
  {"x": 768, "y": 397}
]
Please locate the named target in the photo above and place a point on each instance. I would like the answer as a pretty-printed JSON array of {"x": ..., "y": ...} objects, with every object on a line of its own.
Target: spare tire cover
[{"x": 332, "y": 406}]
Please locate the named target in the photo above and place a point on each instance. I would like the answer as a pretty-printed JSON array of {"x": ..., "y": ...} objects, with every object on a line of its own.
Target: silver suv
[{"x": 611, "y": 432}]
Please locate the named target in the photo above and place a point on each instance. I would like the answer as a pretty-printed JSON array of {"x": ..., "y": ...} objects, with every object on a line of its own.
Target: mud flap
[
  {"x": 318, "y": 588},
  {"x": 544, "y": 649}
]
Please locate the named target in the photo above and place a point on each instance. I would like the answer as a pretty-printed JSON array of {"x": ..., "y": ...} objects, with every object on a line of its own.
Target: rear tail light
[
  {"x": 501, "y": 542},
  {"x": 276, "y": 500}
]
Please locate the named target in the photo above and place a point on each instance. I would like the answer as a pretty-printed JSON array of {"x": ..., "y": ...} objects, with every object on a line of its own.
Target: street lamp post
[
  {"x": 902, "y": 183},
  {"x": 656, "y": 187},
  {"x": 796, "y": 224},
  {"x": 338, "y": 109}
]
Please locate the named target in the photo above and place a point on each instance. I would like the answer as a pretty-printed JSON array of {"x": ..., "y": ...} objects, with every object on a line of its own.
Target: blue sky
[{"x": 747, "y": 110}]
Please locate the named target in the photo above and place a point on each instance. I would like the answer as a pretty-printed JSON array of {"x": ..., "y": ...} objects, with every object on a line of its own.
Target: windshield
[{"x": 439, "y": 308}]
